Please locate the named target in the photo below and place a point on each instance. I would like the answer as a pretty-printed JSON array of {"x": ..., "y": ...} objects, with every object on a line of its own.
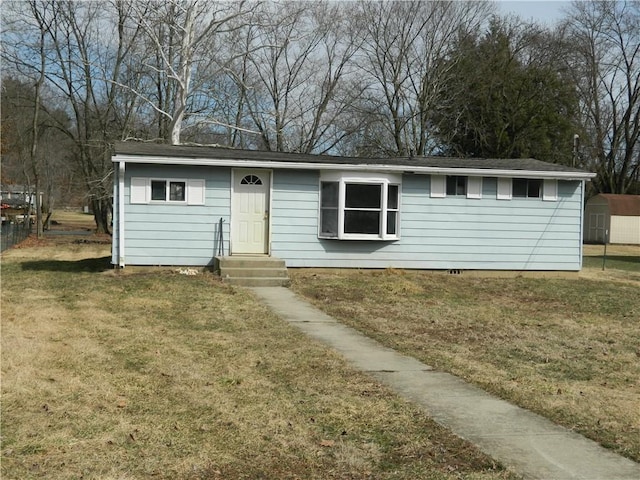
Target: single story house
[
  {"x": 617, "y": 215},
  {"x": 186, "y": 205}
]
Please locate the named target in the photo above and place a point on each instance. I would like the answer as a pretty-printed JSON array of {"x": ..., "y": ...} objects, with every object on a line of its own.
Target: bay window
[{"x": 365, "y": 207}]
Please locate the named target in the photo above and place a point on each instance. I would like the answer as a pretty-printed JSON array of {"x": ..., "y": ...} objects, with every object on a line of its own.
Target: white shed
[{"x": 617, "y": 214}]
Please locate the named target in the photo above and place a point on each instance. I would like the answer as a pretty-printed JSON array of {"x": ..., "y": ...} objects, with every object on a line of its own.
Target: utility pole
[{"x": 576, "y": 144}]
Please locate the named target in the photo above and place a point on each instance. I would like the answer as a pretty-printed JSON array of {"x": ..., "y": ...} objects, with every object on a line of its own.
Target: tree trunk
[{"x": 101, "y": 215}]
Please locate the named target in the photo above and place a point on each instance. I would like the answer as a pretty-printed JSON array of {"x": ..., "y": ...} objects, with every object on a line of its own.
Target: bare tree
[
  {"x": 35, "y": 70},
  {"x": 603, "y": 52},
  {"x": 87, "y": 45},
  {"x": 401, "y": 65},
  {"x": 178, "y": 33},
  {"x": 288, "y": 67}
]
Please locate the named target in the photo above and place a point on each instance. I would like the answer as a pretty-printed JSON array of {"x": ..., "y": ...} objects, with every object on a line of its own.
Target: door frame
[{"x": 242, "y": 171}]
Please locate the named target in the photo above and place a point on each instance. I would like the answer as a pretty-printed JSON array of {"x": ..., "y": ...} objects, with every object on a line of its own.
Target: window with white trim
[
  {"x": 456, "y": 186},
  {"x": 157, "y": 190},
  {"x": 168, "y": 191},
  {"x": 362, "y": 207},
  {"x": 509, "y": 188},
  {"x": 526, "y": 187}
]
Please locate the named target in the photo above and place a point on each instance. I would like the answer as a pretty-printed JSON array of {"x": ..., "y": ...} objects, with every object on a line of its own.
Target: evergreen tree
[{"x": 506, "y": 98}]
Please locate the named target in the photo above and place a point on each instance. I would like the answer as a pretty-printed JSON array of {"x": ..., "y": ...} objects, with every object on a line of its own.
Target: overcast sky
[{"x": 547, "y": 12}]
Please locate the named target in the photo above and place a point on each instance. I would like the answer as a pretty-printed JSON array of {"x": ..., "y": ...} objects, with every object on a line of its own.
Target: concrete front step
[
  {"x": 257, "y": 281},
  {"x": 250, "y": 262},
  {"x": 253, "y": 271},
  {"x": 243, "y": 272}
]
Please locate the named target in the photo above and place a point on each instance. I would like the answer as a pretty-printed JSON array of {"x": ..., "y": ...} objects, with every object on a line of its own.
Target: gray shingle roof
[{"x": 222, "y": 153}]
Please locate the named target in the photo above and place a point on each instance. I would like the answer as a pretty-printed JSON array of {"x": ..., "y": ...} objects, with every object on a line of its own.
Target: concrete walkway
[{"x": 528, "y": 443}]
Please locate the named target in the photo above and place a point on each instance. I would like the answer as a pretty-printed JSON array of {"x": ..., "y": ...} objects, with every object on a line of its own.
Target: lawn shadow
[
  {"x": 617, "y": 262},
  {"x": 623, "y": 258},
  {"x": 617, "y": 258},
  {"x": 92, "y": 265}
]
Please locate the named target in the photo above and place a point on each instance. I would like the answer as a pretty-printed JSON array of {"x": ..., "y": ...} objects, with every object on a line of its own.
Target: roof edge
[{"x": 377, "y": 167}]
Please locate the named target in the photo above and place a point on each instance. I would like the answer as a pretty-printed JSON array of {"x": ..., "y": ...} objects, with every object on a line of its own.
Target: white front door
[{"x": 250, "y": 212}]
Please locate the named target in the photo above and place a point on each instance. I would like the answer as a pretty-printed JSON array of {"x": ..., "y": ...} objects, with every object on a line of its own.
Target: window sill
[{"x": 368, "y": 238}]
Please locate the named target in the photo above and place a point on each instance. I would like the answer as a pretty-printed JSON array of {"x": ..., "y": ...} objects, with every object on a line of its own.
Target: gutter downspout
[
  {"x": 582, "y": 207},
  {"x": 121, "y": 262}
]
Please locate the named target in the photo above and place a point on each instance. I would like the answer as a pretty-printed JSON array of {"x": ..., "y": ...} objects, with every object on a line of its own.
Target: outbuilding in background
[{"x": 617, "y": 214}]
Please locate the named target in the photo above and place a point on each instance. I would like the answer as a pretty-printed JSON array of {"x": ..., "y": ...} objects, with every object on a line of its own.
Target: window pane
[
  {"x": 392, "y": 223},
  {"x": 461, "y": 186},
  {"x": 534, "y": 188},
  {"x": 176, "y": 191},
  {"x": 392, "y": 197},
  {"x": 456, "y": 185},
  {"x": 158, "y": 190},
  {"x": 451, "y": 185},
  {"x": 520, "y": 187},
  {"x": 251, "y": 180},
  {"x": 329, "y": 194},
  {"x": 363, "y": 195},
  {"x": 358, "y": 221},
  {"x": 329, "y": 222}
]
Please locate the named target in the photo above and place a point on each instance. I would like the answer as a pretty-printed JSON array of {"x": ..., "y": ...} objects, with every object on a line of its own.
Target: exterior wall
[
  {"x": 166, "y": 234},
  {"x": 625, "y": 230},
  {"x": 436, "y": 233}
]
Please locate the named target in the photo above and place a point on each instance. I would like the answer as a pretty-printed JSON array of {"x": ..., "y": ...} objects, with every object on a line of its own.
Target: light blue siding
[
  {"x": 294, "y": 218},
  {"x": 436, "y": 233},
  {"x": 172, "y": 234}
]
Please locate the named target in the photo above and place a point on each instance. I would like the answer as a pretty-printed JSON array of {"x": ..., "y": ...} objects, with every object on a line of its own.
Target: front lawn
[
  {"x": 153, "y": 374},
  {"x": 568, "y": 349}
]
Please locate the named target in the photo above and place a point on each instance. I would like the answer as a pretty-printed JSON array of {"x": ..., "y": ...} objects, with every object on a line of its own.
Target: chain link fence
[{"x": 13, "y": 233}]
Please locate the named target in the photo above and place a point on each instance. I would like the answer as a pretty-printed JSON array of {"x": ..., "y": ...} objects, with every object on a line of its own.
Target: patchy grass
[
  {"x": 568, "y": 349},
  {"x": 152, "y": 374},
  {"x": 624, "y": 258}
]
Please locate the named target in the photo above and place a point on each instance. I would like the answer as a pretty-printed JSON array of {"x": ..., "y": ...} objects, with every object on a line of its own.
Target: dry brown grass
[
  {"x": 160, "y": 375},
  {"x": 566, "y": 348},
  {"x": 72, "y": 220}
]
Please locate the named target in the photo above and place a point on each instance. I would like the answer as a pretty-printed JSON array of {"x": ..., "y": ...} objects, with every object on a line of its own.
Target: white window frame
[
  {"x": 527, "y": 196},
  {"x": 455, "y": 193},
  {"x": 167, "y": 190},
  {"x": 384, "y": 180},
  {"x": 548, "y": 187},
  {"x": 473, "y": 187},
  {"x": 140, "y": 191}
]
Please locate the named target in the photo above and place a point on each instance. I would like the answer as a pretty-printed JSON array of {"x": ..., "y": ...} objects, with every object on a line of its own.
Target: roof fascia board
[{"x": 416, "y": 169}]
